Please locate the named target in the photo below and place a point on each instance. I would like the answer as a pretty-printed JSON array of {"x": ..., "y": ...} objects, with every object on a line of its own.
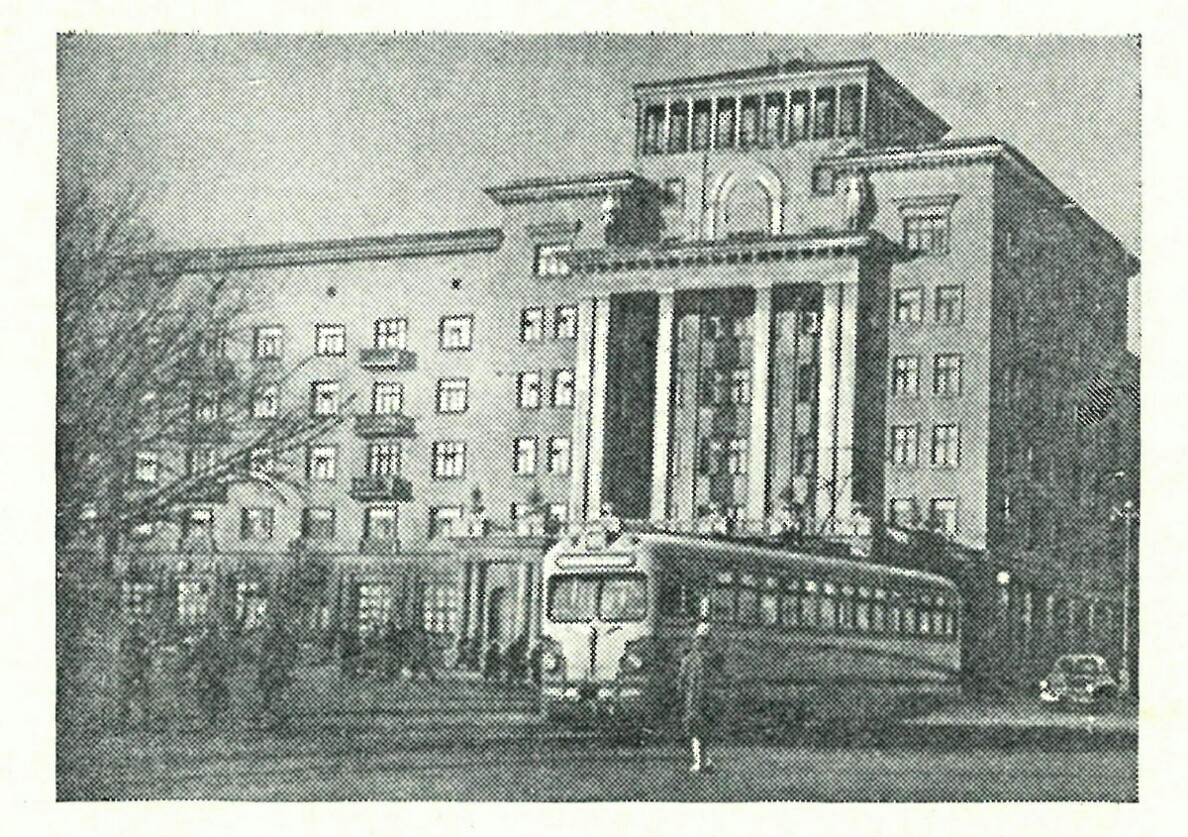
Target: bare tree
[{"x": 156, "y": 390}]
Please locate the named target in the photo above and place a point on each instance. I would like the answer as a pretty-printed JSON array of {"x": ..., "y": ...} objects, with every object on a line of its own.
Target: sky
[{"x": 235, "y": 139}]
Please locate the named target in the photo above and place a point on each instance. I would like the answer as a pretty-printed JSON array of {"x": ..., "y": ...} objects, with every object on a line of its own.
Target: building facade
[{"x": 803, "y": 306}]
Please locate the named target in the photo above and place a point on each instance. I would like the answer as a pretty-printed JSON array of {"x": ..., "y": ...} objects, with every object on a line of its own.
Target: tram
[{"x": 791, "y": 634}]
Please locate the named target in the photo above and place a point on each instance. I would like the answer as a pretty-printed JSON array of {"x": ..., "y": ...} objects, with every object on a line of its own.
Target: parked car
[{"x": 1078, "y": 680}]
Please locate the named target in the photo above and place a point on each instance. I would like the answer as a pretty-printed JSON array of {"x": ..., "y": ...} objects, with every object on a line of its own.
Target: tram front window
[{"x": 611, "y": 598}]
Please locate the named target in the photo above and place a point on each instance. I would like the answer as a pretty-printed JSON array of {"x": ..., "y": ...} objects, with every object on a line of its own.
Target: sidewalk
[{"x": 1021, "y": 722}]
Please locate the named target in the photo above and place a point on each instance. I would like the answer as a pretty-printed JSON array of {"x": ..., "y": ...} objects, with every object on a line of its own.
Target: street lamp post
[{"x": 1127, "y": 513}]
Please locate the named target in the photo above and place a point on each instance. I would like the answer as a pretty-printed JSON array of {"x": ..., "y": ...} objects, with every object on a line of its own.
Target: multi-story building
[{"x": 804, "y": 306}]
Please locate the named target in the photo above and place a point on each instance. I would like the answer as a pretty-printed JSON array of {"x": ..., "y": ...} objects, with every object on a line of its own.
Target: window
[
  {"x": 383, "y": 459},
  {"x": 903, "y": 445},
  {"x": 440, "y": 609},
  {"x": 137, "y": 599},
  {"x": 268, "y": 341},
  {"x": 198, "y": 523},
  {"x": 559, "y": 511},
  {"x": 905, "y": 375},
  {"x": 260, "y": 461},
  {"x": 531, "y": 325},
  {"x": 902, "y": 512},
  {"x": 525, "y": 455},
  {"x": 946, "y": 445},
  {"x": 379, "y": 523},
  {"x": 387, "y": 397},
  {"x": 798, "y": 115},
  {"x": 565, "y": 322},
  {"x": 850, "y": 111},
  {"x": 942, "y": 514},
  {"x": 193, "y": 600},
  {"x": 652, "y": 139},
  {"x": 678, "y": 127},
  {"x": 711, "y": 456},
  {"x": 266, "y": 401},
  {"x": 330, "y": 340},
  {"x": 256, "y": 524},
  {"x": 323, "y": 462},
  {"x": 609, "y": 598},
  {"x": 558, "y": 455},
  {"x": 453, "y": 395},
  {"x": 449, "y": 460},
  {"x": 806, "y": 383},
  {"x": 701, "y": 125},
  {"x": 205, "y": 408},
  {"x": 736, "y": 460},
  {"x": 674, "y": 193},
  {"x": 748, "y": 122},
  {"x": 550, "y": 259},
  {"x": 391, "y": 333},
  {"x": 950, "y": 304},
  {"x": 824, "y": 112},
  {"x": 908, "y": 306},
  {"x": 806, "y": 454},
  {"x": 528, "y": 390},
  {"x": 527, "y": 519},
  {"x": 251, "y": 604},
  {"x": 823, "y": 180},
  {"x": 724, "y": 134},
  {"x": 445, "y": 521},
  {"x": 317, "y": 523},
  {"x": 324, "y": 398},
  {"x": 455, "y": 333},
  {"x": 926, "y": 233},
  {"x": 143, "y": 531},
  {"x": 810, "y": 322},
  {"x": 773, "y": 119},
  {"x": 201, "y": 459},
  {"x": 146, "y": 467},
  {"x": 718, "y": 388},
  {"x": 946, "y": 375},
  {"x": 740, "y": 386}
]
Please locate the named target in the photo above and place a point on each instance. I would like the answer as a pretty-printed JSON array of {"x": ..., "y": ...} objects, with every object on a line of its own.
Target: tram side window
[
  {"x": 680, "y": 598},
  {"x": 790, "y": 606},
  {"x": 827, "y": 620},
  {"x": 924, "y": 611},
  {"x": 862, "y": 610},
  {"x": 769, "y": 603},
  {"x": 894, "y": 617},
  {"x": 722, "y": 598},
  {"x": 909, "y": 617},
  {"x": 748, "y": 600},
  {"x": 808, "y": 604},
  {"x": 845, "y": 608},
  {"x": 877, "y": 611}
]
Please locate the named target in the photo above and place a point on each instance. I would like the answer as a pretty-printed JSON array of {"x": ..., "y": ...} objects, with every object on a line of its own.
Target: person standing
[
  {"x": 135, "y": 664},
  {"x": 693, "y": 690}
]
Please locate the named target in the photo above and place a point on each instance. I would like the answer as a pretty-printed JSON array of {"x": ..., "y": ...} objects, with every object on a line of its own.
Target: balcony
[
  {"x": 399, "y": 360},
  {"x": 379, "y": 425},
  {"x": 204, "y": 493},
  {"x": 378, "y": 488}
]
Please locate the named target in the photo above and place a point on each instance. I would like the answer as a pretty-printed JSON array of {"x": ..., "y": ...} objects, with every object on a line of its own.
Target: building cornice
[
  {"x": 376, "y": 248},
  {"x": 969, "y": 152},
  {"x": 546, "y": 189},
  {"x": 821, "y": 245}
]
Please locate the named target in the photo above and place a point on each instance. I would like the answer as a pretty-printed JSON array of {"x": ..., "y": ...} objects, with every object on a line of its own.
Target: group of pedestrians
[
  {"x": 390, "y": 651},
  {"x": 518, "y": 663},
  {"x": 205, "y": 666}
]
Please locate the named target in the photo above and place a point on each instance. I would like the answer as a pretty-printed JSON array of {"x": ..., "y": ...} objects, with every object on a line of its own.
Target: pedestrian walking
[
  {"x": 135, "y": 663},
  {"x": 278, "y": 662},
  {"x": 212, "y": 660},
  {"x": 693, "y": 690}
]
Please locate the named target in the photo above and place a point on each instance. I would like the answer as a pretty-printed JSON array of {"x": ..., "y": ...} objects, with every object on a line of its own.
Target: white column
[
  {"x": 835, "y": 398},
  {"x": 662, "y": 412},
  {"x": 581, "y": 409},
  {"x": 597, "y": 418},
  {"x": 760, "y": 374}
]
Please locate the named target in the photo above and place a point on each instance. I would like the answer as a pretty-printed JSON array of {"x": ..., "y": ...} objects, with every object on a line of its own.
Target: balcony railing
[
  {"x": 204, "y": 493},
  {"x": 374, "y": 425},
  {"x": 373, "y": 488},
  {"x": 400, "y": 360}
]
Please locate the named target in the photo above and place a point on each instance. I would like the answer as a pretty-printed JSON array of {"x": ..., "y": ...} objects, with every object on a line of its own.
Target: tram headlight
[
  {"x": 550, "y": 662},
  {"x": 631, "y": 662}
]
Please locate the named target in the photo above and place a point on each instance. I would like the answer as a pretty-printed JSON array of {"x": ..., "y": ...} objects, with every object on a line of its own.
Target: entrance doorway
[{"x": 497, "y": 616}]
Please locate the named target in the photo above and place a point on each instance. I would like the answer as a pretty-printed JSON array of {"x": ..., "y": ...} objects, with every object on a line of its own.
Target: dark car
[{"x": 1078, "y": 680}]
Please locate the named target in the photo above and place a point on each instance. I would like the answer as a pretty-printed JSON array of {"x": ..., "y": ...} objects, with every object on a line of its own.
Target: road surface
[{"x": 346, "y": 768}]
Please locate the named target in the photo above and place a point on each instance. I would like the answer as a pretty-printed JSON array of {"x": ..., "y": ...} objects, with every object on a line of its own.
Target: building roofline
[
  {"x": 368, "y": 248},
  {"x": 797, "y": 67},
  {"x": 962, "y": 151},
  {"x": 556, "y": 188}
]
